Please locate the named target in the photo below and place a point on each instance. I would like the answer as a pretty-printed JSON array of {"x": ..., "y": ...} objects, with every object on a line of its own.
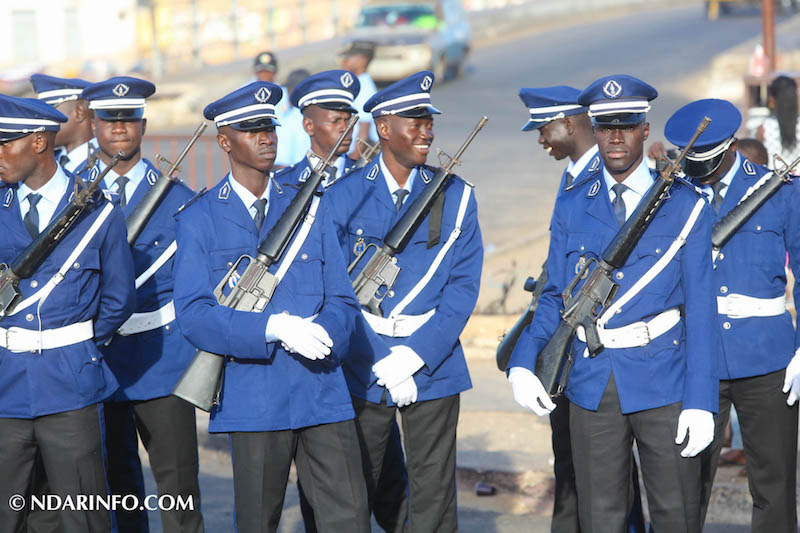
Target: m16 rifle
[
  {"x": 381, "y": 270},
  {"x": 598, "y": 292},
  {"x": 509, "y": 339},
  {"x": 138, "y": 218},
  {"x": 201, "y": 383},
  {"x": 367, "y": 152},
  {"x": 43, "y": 245}
]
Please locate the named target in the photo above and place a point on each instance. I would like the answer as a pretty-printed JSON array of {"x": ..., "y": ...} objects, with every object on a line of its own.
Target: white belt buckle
[
  {"x": 646, "y": 329},
  {"x": 394, "y": 326},
  {"x": 10, "y": 346}
]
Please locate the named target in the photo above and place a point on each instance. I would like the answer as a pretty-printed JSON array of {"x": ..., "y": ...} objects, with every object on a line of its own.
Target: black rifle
[
  {"x": 727, "y": 226},
  {"x": 138, "y": 218},
  {"x": 367, "y": 152},
  {"x": 381, "y": 270},
  {"x": 201, "y": 383},
  {"x": 509, "y": 339},
  {"x": 43, "y": 245},
  {"x": 600, "y": 289}
]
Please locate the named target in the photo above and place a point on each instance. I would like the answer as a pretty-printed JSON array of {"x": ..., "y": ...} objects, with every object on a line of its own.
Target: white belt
[
  {"x": 32, "y": 340},
  {"x": 141, "y": 322},
  {"x": 741, "y": 306},
  {"x": 638, "y": 333},
  {"x": 399, "y": 326}
]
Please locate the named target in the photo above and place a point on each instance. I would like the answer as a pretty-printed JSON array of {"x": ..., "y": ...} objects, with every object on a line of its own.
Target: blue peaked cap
[
  {"x": 546, "y": 104},
  {"x": 54, "y": 91},
  {"x": 121, "y": 98},
  {"x": 249, "y": 108},
  {"x": 618, "y": 100},
  {"x": 409, "y": 97},
  {"x": 718, "y": 136},
  {"x": 332, "y": 89},
  {"x": 22, "y": 116}
]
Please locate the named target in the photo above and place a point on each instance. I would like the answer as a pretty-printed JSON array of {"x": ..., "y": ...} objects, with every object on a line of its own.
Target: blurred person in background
[
  {"x": 294, "y": 143},
  {"x": 356, "y": 58},
  {"x": 780, "y": 132}
]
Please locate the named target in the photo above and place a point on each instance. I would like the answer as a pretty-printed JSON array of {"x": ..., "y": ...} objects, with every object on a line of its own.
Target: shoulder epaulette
[
  {"x": 192, "y": 200},
  {"x": 691, "y": 186},
  {"x": 579, "y": 183}
]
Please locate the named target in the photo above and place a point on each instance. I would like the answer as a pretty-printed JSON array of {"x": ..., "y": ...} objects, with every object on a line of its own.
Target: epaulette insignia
[
  {"x": 152, "y": 177},
  {"x": 94, "y": 173},
  {"x": 225, "y": 191},
  {"x": 425, "y": 176},
  {"x": 107, "y": 195},
  {"x": 278, "y": 188},
  {"x": 305, "y": 174},
  {"x": 373, "y": 173},
  {"x": 9, "y": 198},
  {"x": 594, "y": 189},
  {"x": 594, "y": 166},
  {"x": 192, "y": 200},
  {"x": 748, "y": 167}
]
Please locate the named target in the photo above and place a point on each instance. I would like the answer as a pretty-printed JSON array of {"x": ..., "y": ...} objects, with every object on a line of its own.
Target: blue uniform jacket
[
  {"x": 680, "y": 365},
  {"x": 753, "y": 264},
  {"x": 363, "y": 212},
  {"x": 299, "y": 172},
  {"x": 98, "y": 287},
  {"x": 147, "y": 365},
  {"x": 265, "y": 388}
]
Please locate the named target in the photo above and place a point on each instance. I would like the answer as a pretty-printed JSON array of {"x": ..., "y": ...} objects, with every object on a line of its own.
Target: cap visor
[
  {"x": 531, "y": 125},
  {"x": 418, "y": 112},
  {"x": 6, "y": 136},
  {"x": 619, "y": 119},
  {"x": 120, "y": 114},
  {"x": 255, "y": 125},
  {"x": 338, "y": 106}
]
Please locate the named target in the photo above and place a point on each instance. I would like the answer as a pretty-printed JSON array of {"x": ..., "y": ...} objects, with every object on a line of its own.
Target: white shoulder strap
[
  {"x": 44, "y": 292},
  {"x": 462, "y": 210},
  {"x": 299, "y": 239},
  {"x": 145, "y": 276},
  {"x": 656, "y": 269}
]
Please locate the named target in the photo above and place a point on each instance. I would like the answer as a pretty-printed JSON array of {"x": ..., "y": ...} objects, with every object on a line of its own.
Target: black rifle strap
[{"x": 435, "y": 222}]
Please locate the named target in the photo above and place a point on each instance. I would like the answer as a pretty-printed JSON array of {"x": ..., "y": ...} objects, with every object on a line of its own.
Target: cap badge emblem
[
  {"x": 612, "y": 89},
  {"x": 346, "y": 79},
  {"x": 121, "y": 90},
  {"x": 426, "y": 83},
  {"x": 262, "y": 95}
]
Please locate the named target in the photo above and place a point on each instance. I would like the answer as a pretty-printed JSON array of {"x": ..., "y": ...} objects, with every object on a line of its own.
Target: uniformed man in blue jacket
[
  {"x": 565, "y": 132},
  {"x": 326, "y": 101},
  {"x": 757, "y": 361},
  {"x": 75, "y": 141},
  {"x": 656, "y": 379},
  {"x": 53, "y": 374},
  {"x": 284, "y": 396},
  {"x": 148, "y": 354},
  {"x": 425, "y": 311}
]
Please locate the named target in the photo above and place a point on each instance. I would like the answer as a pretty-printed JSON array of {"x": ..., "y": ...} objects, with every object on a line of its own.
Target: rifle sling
[{"x": 435, "y": 222}]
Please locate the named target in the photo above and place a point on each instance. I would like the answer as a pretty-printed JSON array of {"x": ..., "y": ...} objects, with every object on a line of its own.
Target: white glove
[
  {"x": 299, "y": 335},
  {"x": 405, "y": 393},
  {"x": 791, "y": 382},
  {"x": 529, "y": 391},
  {"x": 700, "y": 425},
  {"x": 397, "y": 367}
]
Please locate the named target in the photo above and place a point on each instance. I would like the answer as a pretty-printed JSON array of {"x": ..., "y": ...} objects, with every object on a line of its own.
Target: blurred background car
[{"x": 418, "y": 35}]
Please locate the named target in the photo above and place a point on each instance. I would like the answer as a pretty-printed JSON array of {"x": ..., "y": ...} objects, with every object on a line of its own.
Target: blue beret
[
  {"x": 618, "y": 100},
  {"x": 409, "y": 97},
  {"x": 546, "y": 104},
  {"x": 332, "y": 89},
  {"x": 22, "y": 116},
  {"x": 119, "y": 98},
  {"x": 53, "y": 91},
  {"x": 718, "y": 136},
  {"x": 251, "y": 107}
]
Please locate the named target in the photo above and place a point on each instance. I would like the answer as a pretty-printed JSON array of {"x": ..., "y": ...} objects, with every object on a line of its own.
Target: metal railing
[{"x": 205, "y": 164}]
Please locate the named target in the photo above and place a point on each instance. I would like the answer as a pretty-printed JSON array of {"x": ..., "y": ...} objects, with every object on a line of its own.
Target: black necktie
[
  {"x": 401, "y": 195},
  {"x": 31, "y": 219},
  {"x": 569, "y": 178},
  {"x": 261, "y": 206},
  {"x": 121, "y": 182},
  {"x": 717, "y": 188},
  {"x": 619, "y": 204}
]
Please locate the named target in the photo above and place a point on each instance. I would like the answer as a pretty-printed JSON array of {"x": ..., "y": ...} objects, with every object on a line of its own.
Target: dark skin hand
[
  {"x": 119, "y": 135},
  {"x": 621, "y": 147},
  {"x": 78, "y": 129},
  {"x": 28, "y": 160},
  {"x": 567, "y": 137},
  {"x": 405, "y": 143},
  {"x": 251, "y": 155},
  {"x": 324, "y": 127}
]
